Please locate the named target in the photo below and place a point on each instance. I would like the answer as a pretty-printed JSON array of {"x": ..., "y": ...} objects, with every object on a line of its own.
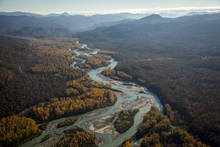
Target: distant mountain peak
[
  {"x": 65, "y": 14},
  {"x": 19, "y": 13},
  {"x": 152, "y": 17}
]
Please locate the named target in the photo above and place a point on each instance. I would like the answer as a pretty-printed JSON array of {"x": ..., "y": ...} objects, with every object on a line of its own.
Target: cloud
[{"x": 160, "y": 10}]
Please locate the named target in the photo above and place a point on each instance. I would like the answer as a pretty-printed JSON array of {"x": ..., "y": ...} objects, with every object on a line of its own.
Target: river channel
[{"x": 99, "y": 122}]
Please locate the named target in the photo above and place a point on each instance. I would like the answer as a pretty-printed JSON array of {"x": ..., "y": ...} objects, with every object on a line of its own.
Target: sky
[{"x": 103, "y": 6}]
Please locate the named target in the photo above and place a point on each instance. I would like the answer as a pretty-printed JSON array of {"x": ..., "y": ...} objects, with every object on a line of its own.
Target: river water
[{"x": 131, "y": 96}]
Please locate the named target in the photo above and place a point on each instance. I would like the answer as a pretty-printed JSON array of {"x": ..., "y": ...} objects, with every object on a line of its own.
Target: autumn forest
[{"x": 109, "y": 80}]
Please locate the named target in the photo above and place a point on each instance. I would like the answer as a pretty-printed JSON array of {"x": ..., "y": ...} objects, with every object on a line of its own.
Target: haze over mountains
[
  {"x": 18, "y": 21},
  {"x": 36, "y": 25},
  {"x": 155, "y": 32}
]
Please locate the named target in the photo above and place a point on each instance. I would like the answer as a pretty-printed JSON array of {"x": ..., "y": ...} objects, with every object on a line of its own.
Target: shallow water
[{"x": 130, "y": 93}]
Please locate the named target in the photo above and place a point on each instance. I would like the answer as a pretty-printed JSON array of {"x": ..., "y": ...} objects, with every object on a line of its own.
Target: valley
[
  {"x": 178, "y": 59},
  {"x": 100, "y": 122},
  {"x": 111, "y": 80}
]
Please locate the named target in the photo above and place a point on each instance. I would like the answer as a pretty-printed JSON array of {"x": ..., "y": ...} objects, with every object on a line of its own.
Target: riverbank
[{"x": 100, "y": 122}]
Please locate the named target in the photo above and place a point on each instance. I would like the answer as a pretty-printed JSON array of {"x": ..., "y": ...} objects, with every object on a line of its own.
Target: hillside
[
  {"x": 156, "y": 34},
  {"x": 177, "y": 58},
  {"x": 33, "y": 71},
  {"x": 26, "y": 24}
]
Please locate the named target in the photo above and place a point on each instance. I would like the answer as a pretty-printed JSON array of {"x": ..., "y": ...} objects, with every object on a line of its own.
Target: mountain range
[
  {"x": 177, "y": 58},
  {"x": 155, "y": 32},
  {"x": 36, "y": 25},
  {"x": 15, "y": 22}
]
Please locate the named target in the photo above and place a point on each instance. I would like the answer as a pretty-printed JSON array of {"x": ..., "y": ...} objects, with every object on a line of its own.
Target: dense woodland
[
  {"x": 190, "y": 86},
  {"x": 67, "y": 122},
  {"x": 33, "y": 71},
  {"x": 117, "y": 75},
  {"x": 157, "y": 130},
  {"x": 15, "y": 130},
  {"x": 37, "y": 81},
  {"x": 93, "y": 62},
  {"x": 77, "y": 137},
  {"x": 125, "y": 120},
  {"x": 178, "y": 59},
  {"x": 83, "y": 95}
]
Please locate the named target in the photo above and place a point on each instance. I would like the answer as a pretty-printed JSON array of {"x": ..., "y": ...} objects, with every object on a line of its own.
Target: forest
[
  {"x": 190, "y": 86},
  {"x": 33, "y": 71},
  {"x": 95, "y": 61},
  {"x": 117, "y": 75},
  {"x": 77, "y": 137},
  {"x": 157, "y": 130},
  {"x": 178, "y": 59},
  {"x": 125, "y": 120},
  {"x": 38, "y": 84},
  {"x": 15, "y": 130},
  {"x": 67, "y": 122},
  {"x": 82, "y": 95}
]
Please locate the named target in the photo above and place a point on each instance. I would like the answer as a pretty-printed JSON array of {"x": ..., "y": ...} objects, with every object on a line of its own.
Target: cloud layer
[{"x": 161, "y": 10}]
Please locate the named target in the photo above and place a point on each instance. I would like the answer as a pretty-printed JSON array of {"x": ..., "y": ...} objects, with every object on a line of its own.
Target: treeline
[
  {"x": 33, "y": 71},
  {"x": 93, "y": 62},
  {"x": 77, "y": 137},
  {"x": 83, "y": 95},
  {"x": 117, "y": 75},
  {"x": 157, "y": 130},
  {"x": 66, "y": 122},
  {"x": 15, "y": 130},
  {"x": 97, "y": 60}
]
